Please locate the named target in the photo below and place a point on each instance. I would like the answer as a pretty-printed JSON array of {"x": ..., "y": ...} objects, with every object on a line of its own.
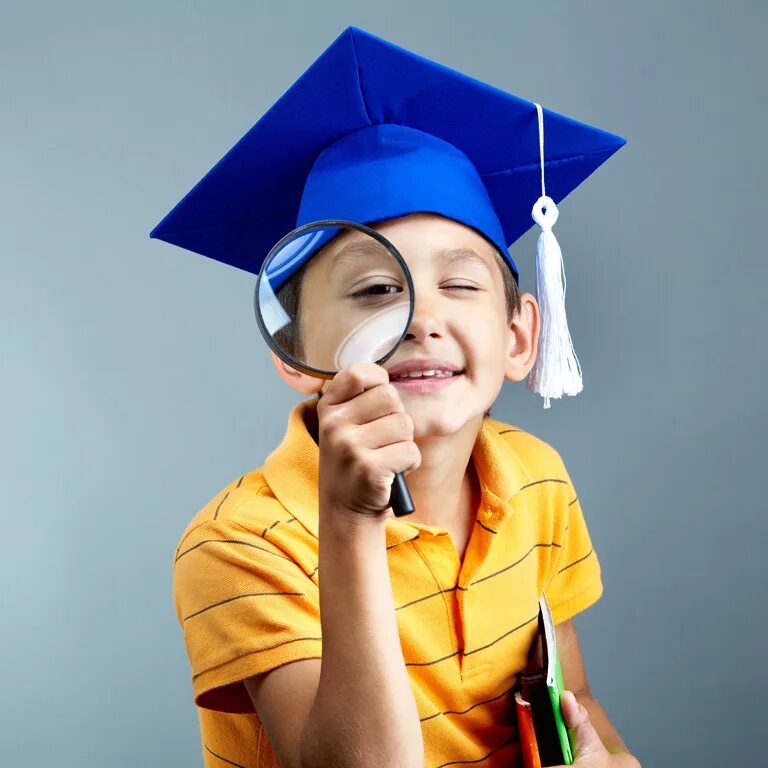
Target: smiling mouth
[{"x": 430, "y": 374}]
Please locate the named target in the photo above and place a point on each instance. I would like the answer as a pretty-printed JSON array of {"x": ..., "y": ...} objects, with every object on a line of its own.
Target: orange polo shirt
[{"x": 246, "y": 594}]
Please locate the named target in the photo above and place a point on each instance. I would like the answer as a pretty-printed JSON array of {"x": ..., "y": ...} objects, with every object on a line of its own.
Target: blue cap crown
[{"x": 386, "y": 170}]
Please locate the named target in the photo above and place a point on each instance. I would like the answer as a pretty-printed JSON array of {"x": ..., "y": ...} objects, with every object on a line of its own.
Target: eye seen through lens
[{"x": 330, "y": 296}]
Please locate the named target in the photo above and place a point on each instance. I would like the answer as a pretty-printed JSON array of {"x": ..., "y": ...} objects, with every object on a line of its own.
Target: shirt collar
[{"x": 291, "y": 471}]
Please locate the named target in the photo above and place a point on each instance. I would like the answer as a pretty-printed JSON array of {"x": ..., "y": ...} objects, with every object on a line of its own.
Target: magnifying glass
[{"x": 332, "y": 293}]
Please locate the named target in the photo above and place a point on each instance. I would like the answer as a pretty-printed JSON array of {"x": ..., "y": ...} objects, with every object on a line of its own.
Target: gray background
[{"x": 135, "y": 384}]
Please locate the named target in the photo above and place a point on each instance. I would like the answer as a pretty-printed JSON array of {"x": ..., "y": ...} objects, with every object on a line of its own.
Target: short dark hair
[
  {"x": 511, "y": 294},
  {"x": 511, "y": 287}
]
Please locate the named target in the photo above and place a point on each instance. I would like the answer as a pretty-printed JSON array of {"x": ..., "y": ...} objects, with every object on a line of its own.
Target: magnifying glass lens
[{"x": 330, "y": 296}]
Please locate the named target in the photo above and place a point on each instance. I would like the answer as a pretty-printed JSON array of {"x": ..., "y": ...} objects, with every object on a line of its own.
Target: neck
[{"x": 444, "y": 487}]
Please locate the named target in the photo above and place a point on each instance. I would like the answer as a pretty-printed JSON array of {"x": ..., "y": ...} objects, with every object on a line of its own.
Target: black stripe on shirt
[
  {"x": 413, "y": 538},
  {"x": 523, "y": 487},
  {"x": 544, "y": 480},
  {"x": 216, "y": 513},
  {"x": 240, "y": 597},
  {"x": 231, "y": 762},
  {"x": 490, "y": 530},
  {"x": 269, "y": 648},
  {"x": 277, "y": 522},
  {"x": 501, "y": 637},
  {"x": 232, "y": 541},
  {"x": 427, "y": 597},
  {"x": 471, "y": 584},
  {"x": 575, "y": 562},
  {"x": 475, "y": 650},
  {"x": 511, "y": 565},
  {"x": 405, "y": 541},
  {"x": 464, "y": 711},
  {"x": 434, "y": 661}
]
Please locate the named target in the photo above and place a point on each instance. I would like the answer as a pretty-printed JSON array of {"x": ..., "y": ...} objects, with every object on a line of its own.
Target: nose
[{"x": 425, "y": 322}]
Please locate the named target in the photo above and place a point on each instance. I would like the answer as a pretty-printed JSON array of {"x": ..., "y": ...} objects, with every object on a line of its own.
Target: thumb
[{"x": 584, "y": 738}]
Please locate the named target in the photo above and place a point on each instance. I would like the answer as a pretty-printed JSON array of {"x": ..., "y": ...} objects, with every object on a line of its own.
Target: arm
[
  {"x": 357, "y": 707},
  {"x": 365, "y": 712},
  {"x": 360, "y": 710},
  {"x": 575, "y": 680}
]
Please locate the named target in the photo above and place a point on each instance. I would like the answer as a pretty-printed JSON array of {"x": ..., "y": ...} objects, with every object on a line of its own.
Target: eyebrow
[
  {"x": 454, "y": 255},
  {"x": 448, "y": 255},
  {"x": 359, "y": 248}
]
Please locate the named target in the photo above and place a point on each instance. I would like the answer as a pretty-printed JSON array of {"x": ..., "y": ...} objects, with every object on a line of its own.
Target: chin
[{"x": 440, "y": 422}]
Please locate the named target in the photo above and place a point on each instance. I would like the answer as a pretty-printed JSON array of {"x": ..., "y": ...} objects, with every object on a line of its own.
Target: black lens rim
[{"x": 281, "y": 353}]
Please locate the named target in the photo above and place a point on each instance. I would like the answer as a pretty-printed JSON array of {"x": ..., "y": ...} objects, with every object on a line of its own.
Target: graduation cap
[{"x": 372, "y": 131}]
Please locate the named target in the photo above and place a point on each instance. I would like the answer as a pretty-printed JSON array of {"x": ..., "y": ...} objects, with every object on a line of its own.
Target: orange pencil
[{"x": 529, "y": 747}]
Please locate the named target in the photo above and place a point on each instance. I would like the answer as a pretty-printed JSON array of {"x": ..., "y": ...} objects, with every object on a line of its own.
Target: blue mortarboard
[{"x": 372, "y": 131}]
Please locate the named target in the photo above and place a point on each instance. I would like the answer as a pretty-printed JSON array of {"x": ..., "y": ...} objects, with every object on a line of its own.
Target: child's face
[{"x": 460, "y": 318}]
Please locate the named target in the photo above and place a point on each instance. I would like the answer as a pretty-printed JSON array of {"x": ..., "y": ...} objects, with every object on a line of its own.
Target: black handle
[{"x": 400, "y": 498}]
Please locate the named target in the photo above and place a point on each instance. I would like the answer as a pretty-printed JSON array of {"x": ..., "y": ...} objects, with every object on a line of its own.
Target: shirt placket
[{"x": 475, "y": 657}]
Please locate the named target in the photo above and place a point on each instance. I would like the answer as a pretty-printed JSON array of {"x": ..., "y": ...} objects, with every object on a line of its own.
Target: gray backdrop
[{"x": 135, "y": 384}]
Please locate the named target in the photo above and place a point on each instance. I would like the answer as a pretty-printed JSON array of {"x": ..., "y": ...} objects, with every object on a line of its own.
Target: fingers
[
  {"x": 381, "y": 400},
  {"x": 570, "y": 708},
  {"x": 399, "y": 457},
  {"x": 386, "y": 430},
  {"x": 353, "y": 381},
  {"x": 365, "y": 438},
  {"x": 584, "y": 738}
]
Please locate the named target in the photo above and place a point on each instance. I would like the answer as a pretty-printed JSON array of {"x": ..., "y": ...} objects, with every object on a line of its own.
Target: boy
[{"x": 406, "y": 651}]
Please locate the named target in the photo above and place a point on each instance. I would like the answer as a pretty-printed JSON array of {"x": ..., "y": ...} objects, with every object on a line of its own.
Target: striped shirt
[{"x": 246, "y": 594}]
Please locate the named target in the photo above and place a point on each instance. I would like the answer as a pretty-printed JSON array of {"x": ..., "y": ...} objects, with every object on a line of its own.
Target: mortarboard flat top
[{"x": 371, "y": 130}]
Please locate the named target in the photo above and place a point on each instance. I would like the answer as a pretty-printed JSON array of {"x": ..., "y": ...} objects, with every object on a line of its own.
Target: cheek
[{"x": 483, "y": 336}]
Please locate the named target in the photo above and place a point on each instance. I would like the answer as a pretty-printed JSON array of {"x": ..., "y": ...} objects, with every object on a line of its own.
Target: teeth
[{"x": 421, "y": 374}]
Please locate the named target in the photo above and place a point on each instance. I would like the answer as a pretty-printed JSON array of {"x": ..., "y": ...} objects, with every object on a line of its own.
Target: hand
[
  {"x": 587, "y": 747},
  {"x": 365, "y": 437}
]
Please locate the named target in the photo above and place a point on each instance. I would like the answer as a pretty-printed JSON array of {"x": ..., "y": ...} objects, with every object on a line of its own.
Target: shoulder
[
  {"x": 245, "y": 502},
  {"x": 246, "y": 517},
  {"x": 540, "y": 458},
  {"x": 245, "y": 488}
]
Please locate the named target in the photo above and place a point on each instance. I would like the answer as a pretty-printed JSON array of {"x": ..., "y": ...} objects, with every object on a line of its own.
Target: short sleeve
[
  {"x": 245, "y": 607},
  {"x": 575, "y": 580}
]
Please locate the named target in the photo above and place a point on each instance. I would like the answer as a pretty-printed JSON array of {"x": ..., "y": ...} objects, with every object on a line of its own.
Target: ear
[
  {"x": 523, "y": 339},
  {"x": 301, "y": 382}
]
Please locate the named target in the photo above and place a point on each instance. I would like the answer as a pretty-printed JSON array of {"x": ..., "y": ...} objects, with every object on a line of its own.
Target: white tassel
[{"x": 556, "y": 371}]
